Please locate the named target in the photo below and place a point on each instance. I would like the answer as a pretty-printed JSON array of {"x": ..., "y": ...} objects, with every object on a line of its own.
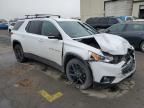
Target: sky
[{"x": 10, "y": 9}]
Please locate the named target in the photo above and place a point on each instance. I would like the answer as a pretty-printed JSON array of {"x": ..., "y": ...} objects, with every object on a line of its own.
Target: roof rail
[{"x": 41, "y": 16}]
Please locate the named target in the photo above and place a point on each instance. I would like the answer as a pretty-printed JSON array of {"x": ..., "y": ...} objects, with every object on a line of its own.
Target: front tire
[
  {"x": 79, "y": 73},
  {"x": 19, "y": 53},
  {"x": 142, "y": 46}
]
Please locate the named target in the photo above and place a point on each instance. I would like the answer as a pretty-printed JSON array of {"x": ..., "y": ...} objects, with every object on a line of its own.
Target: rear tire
[
  {"x": 142, "y": 46},
  {"x": 19, "y": 53},
  {"x": 79, "y": 74}
]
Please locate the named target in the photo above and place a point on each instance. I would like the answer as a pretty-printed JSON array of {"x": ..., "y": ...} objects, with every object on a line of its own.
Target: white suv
[{"x": 75, "y": 49}]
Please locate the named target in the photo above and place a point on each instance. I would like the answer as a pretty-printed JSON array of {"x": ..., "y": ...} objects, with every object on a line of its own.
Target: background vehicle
[
  {"x": 102, "y": 22},
  {"x": 75, "y": 49},
  {"x": 11, "y": 26},
  {"x": 132, "y": 31},
  {"x": 126, "y": 18},
  {"x": 3, "y": 26}
]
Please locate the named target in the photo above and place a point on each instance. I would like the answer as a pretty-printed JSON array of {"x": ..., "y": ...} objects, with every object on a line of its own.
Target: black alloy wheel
[
  {"x": 19, "y": 53},
  {"x": 79, "y": 74}
]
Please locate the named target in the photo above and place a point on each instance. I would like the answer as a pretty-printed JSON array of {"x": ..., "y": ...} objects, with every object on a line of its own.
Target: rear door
[{"x": 31, "y": 38}]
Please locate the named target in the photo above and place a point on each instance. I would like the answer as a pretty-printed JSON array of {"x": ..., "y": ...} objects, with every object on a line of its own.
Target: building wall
[
  {"x": 136, "y": 6},
  {"x": 118, "y": 8},
  {"x": 95, "y": 8},
  {"x": 91, "y": 8}
]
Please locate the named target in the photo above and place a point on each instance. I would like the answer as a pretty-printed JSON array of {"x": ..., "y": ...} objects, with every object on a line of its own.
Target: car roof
[
  {"x": 99, "y": 18},
  {"x": 64, "y": 19},
  {"x": 103, "y": 17}
]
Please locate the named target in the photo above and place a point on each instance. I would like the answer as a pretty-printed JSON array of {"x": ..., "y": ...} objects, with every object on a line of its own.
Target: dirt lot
[{"x": 34, "y": 85}]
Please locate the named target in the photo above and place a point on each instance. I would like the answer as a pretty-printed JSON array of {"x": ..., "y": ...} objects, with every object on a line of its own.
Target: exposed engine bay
[
  {"x": 90, "y": 41},
  {"x": 116, "y": 58}
]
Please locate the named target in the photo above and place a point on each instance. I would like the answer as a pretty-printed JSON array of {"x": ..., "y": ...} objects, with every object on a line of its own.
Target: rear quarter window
[{"x": 18, "y": 25}]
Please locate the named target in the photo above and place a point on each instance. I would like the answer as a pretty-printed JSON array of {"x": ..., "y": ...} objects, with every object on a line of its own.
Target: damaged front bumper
[{"x": 106, "y": 73}]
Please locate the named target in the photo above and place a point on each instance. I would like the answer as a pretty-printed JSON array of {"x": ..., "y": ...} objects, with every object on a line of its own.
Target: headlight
[
  {"x": 96, "y": 57},
  {"x": 108, "y": 58}
]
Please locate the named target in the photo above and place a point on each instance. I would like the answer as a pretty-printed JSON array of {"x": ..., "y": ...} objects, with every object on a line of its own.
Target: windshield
[{"x": 76, "y": 29}]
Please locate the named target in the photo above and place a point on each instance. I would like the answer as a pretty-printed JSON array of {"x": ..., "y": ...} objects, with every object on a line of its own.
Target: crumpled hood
[{"x": 112, "y": 44}]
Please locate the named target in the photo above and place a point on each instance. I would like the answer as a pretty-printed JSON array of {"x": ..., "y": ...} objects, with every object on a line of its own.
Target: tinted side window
[
  {"x": 113, "y": 21},
  {"x": 17, "y": 25},
  {"x": 135, "y": 27},
  {"x": 117, "y": 28},
  {"x": 48, "y": 29},
  {"x": 34, "y": 27}
]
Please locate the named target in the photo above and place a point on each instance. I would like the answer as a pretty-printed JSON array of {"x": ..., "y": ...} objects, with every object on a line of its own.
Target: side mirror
[{"x": 55, "y": 36}]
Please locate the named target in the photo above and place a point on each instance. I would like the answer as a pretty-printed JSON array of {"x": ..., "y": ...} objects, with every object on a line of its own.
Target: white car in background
[
  {"x": 11, "y": 26},
  {"x": 74, "y": 48}
]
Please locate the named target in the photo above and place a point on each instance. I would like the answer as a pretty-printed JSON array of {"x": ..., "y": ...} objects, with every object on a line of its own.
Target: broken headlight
[
  {"x": 108, "y": 58},
  {"x": 96, "y": 57}
]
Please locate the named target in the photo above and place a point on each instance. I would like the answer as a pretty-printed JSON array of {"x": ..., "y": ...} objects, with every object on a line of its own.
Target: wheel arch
[
  {"x": 15, "y": 42},
  {"x": 70, "y": 56}
]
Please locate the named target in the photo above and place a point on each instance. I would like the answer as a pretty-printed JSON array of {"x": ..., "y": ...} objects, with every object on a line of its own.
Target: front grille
[
  {"x": 118, "y": 58},
  {"x": 128, "y": 56},
  {"x": 129, "y": 67},
  {"x": 129, "y": 62}
]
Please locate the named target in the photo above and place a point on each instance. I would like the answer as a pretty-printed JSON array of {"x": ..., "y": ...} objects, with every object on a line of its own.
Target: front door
[{"x": 50, "y": 49}]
